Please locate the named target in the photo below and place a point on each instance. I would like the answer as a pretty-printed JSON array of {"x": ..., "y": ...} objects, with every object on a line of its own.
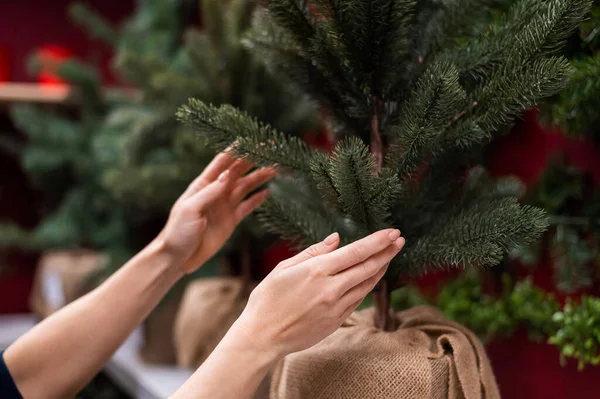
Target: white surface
[
  {"x": 140, "y": 380},
  {"x": 13, "y": 326},
  {"x": 52, "y": 289}
]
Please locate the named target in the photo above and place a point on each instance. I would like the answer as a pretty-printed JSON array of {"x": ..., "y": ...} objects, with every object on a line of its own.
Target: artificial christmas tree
[
  {"x": 413, "y": 92},
  {"x": 412, "y": 131},
  {"x": 563, "y": 179}
]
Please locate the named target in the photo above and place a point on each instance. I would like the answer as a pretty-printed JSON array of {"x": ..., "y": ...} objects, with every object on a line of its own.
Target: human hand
[
  {"x": 307, "y": 297},
  {"x": 206, "y": 214}
]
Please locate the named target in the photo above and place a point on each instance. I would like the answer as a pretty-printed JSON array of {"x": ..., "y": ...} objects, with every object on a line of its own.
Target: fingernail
[
  {"x": 224, "y": 176},
  {"x": 331, "y": 239},
  {"x": 400, "y": 242},
  {"x": 394, "y": 235}
]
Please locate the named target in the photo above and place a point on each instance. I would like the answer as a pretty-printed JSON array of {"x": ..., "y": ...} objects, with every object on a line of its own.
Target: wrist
[
  {"x": 247, "y": 337},
  {"x": 164, "y": 259}
]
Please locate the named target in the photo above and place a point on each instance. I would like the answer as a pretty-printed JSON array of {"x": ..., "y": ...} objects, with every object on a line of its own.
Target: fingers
[
  {"x": 217, "y": 166},
  {"x": 348, "y": 311},
  {"x": 358, "y": 251},
  {"x": 370, "y": 267},
  {"x": 239, "y": 168},
  {"x": 358, "y": 292},
  {"x": 328, "y": 245},
  {"x": 251, "y": 182},
  {"x": 209, "y": 194},
  {"x": 248, "y": 206},
  {"x": 222, "y": 162}
]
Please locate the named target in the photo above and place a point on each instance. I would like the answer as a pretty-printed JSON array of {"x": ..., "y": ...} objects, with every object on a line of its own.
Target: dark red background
[
  {"x": 523, "y": 369},
  {"x": 26, "y": 25}
]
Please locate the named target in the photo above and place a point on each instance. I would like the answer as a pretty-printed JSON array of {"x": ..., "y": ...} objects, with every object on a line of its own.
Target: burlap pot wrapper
[
  {"x": 428, "y": 356},
  {"x": 208, "y": 309},
  {"x": 158, "y": 346},
  {"x": 62, "y": 277}
]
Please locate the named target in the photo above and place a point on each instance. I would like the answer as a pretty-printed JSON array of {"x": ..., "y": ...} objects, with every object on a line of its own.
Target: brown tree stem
[
  {"x": 381, "y": 295},
  {"x": 376, "y": 143},
  {"x": 381, "y": 298}
]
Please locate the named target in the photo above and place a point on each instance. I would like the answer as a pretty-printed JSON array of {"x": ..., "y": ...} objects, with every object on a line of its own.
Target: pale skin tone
[{"x": 302, "y": 301}]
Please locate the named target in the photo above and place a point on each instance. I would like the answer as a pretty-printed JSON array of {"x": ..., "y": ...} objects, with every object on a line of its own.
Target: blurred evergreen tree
[
  {"x": 577, "y": 108},
  {"x": 158, "y": 156},
  {"x": 115, "y": 165}
]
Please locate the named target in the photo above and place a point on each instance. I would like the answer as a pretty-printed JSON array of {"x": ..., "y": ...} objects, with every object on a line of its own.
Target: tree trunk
[{"x": 381, "y": 295}]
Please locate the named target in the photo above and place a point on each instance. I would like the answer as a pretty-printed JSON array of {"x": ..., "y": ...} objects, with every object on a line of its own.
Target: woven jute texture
[
  {"x": 62, "y": 277},
  {"x": 158, "y": 345},
  {"x": 428, "y": 356},
  {"x": 208, "y": 309}
]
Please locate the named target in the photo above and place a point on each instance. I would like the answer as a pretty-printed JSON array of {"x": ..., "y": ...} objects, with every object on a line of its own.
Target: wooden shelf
[
  {"x": 32, "y": 92},
  {"x": 48, "y": 94}
]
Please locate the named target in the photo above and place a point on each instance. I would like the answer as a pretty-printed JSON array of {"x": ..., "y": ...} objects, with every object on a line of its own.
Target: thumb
[{"x": 329, "y": 244}]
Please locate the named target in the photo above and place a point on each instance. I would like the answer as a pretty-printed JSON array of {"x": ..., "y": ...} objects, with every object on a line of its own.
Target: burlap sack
[
  {"x": 62, "y": 277},
  {"x": 428, "y": 356},
  {"x": 208, "y": 309},
  {"x": 158, "y": 345}
]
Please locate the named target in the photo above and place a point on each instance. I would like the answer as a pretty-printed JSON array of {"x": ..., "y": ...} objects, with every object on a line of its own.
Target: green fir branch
[
  {"x": 363, "y": 195},
  {"x": 97, "y": 26},
  {"x": 478, "y": 235},
  {"x": 227, "y": 126},
  {"x": 294, "y": 222},
  {"x": 437, "y": 98}
]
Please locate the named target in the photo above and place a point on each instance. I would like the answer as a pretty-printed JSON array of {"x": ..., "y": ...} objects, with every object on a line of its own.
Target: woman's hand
[
  {"x": 306, "y": 298},
  {"x": 206, "y": 214},
  {"x": 302, "y": 301}
]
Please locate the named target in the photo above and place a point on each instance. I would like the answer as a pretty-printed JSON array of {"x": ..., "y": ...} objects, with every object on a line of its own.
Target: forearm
[
  {"x": 59, "y": 356},
  {"x": 234, "y": 369}
]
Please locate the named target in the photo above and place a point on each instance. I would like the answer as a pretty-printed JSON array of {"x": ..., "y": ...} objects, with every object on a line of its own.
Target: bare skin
[{"x": 301, "y": 302}]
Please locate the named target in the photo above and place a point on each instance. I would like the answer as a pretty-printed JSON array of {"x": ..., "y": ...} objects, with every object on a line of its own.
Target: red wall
[{"x": 25, "y": 25}]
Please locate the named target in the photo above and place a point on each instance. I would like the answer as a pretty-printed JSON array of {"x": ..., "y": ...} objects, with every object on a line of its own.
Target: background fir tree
[
  {"x": 413, "y": 94},
  {"x": 69, "y": 150},
  {"x": 158, "y": 156},
  {"x": 577, "y": 109},
  {"x": 137, "y": 157},
  {"x": 64, "y": 156}
]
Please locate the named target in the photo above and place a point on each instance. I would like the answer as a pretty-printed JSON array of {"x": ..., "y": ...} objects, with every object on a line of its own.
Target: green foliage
[
  {"x": 464, "y": 301},
  {"x": 158, "y": 157},
  {"x": 115, "y": 168},
  {"x": 578, "y": 335},
  {"x": 572, "y": 239},
  {"x": 68, "y": 153},
  {"x": 423, "y": 110},
  {"x": 61, "y": 159},
  {"x": 362, "y": 194},
  {"x": 256, "y": 141},
  {"x": 96, "y": 25},
  {"x": 575, "y": 109},
  {"x": 573, "y": 328}
]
